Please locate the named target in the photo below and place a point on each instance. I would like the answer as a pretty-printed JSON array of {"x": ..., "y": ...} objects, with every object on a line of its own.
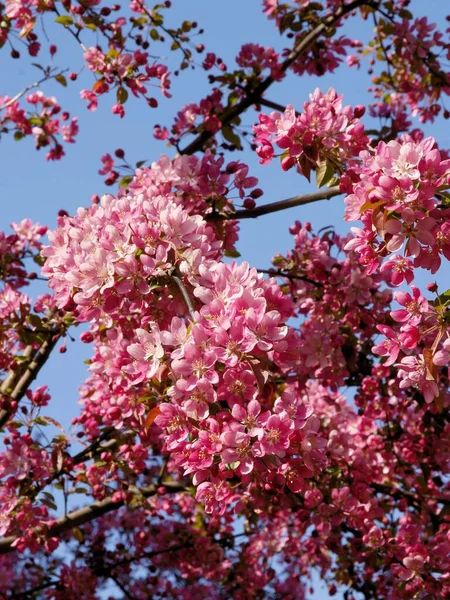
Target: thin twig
[
  {"x": 185, "y": 295},
  {"x": 274, "y": 105},
  {"x": 26, "y": 89},
  {"x": 293, "y": 276},
  {"x": 121, "y": 587},
  {"x": 266, "y": 209}
]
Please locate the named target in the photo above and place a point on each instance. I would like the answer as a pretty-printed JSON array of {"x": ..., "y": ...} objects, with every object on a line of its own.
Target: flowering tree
[{"x": 222, "y": 454}]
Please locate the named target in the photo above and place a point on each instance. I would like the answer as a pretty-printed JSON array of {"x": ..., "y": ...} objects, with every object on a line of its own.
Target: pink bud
[
  {"x": 287, "y": 163},
  {"x": 86, "y": 337},
  {"x": 359, "y": 111}
]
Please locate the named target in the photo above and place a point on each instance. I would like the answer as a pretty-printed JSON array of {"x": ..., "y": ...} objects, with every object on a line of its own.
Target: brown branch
[
  {"x": 185, "y": 295},
  {"x": 398, "y": 493},
  {"x": 291, "y": 276},
  {"x": 274, "y": 105},
  {"x": 93, "y": 511},
  {"x": 266, "y": 209},
  {"x": 254, "y": 96},
  {"x": 121, "y": 587},
  {"x": 18, "y": 381}
]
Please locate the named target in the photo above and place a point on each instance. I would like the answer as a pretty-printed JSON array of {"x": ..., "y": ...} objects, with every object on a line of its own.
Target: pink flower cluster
[
  {"x": 394, "y": 194},
  {"x": 119, "y": 69},
  {"x": 22, "y": 457},
  {"x": 210, "y": 351},
  {"x": 324, "y": 132},
  {"x": 201, "y": 185},
  {"x": 338, "y": 305},
  {"x": 40, "y": 121},
  {"x": 209, "y": 109},
  {"x": 418, "y": 50},
  {"x": 258, "y": 59}
]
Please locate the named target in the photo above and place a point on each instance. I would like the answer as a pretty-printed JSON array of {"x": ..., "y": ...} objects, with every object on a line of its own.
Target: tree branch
[
  {"x": 266, "y": 209},
  {"x": 254, "y": 96},
  {"x": 396, "y": 492},
  {"x": 19, "y": 381},
  {"x": 291, "y": 276},
  {"x": 93, "y": 511},
  {"x": 185, "y": 295},
  {"x": 274, "y": 105}
]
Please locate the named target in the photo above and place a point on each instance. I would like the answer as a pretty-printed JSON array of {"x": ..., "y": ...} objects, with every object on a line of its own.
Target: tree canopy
[{"x": 243, "y": 432}]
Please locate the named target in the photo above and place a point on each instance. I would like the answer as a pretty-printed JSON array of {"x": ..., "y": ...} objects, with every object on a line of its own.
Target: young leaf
[
  {"x": 62, "y": 80},
  {"x": 64, "y": 20},
  {"x": 122, "y": 95}
]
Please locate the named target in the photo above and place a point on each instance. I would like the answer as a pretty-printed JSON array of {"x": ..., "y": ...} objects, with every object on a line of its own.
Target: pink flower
[
  {"x": 277, "y": 432},
  {"x": 416, "y": 306},
  {"x": 238, "y": 449},
  {"x": 389, "y": 347},
  {"x": 442, "y": 356},
  {"x": 399, "y": 269},
  {"x": 148, "y": 353},
  {"x": 414, "y": 371},
  {"x": 251, "y": 418},
  {"x": 216, "y": 495}
]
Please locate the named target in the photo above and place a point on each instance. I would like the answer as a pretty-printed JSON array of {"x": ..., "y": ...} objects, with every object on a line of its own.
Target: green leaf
[
  {"x": 64, "y": 20},
  {"x": 444, "y": 297},
  {"x": 34, "y": 320},
  {"x": 231, "y": 137},
  {"x": 49, "y": 504},
  {"x": 140, "y": 163},
  {"x": 324, "y": 173},
  {"x": 157, "y": 19},
  {"x": 112, "y": 53},
  {"x": 62, "y": 80},
  {"x": 233, "y": 98},
  {"x": 122, "y": 95},
  {"x": 125, "y": 181},
  {"x": 232, "y": 254},
  {"x": 18, "y": 135}
]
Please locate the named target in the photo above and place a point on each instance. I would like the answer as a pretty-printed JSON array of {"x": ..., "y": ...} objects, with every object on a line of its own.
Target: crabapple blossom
[{"x": 241, "y": 431}]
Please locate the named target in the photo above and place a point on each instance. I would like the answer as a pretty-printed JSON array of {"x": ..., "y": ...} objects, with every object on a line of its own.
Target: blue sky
[{"x": 32, "y": 187}]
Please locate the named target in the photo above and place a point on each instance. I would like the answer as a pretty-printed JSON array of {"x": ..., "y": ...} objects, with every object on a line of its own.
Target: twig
[
  {"x": 293, "y": 276},
  {"x": 266, "y": 209},
  {"x": 121, "y": 587},
  {"x": 27, "y": 89},
  {"x": 185, "y": 295},
  {"x": 274, "y": 105}
]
